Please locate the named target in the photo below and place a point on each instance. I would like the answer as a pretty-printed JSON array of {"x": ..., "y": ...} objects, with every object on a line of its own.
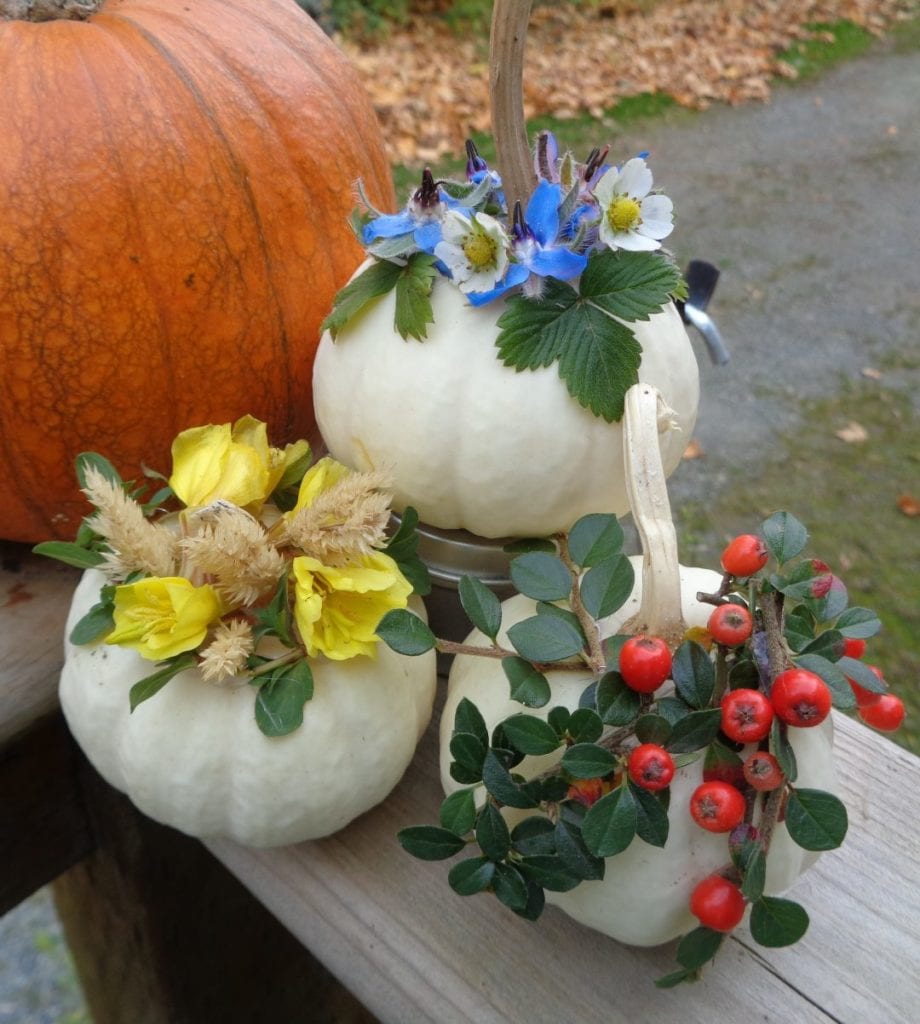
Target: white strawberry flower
[
  {"x": 631, "y": 218},
  {"x": 474, "y": 249}
]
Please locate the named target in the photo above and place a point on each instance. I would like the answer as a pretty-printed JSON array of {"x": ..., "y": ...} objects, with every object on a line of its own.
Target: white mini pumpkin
[
  {"x": 193, "y": 757},
  {"x": 643, "y": 899},
  {"x": 476, "y": 445}
]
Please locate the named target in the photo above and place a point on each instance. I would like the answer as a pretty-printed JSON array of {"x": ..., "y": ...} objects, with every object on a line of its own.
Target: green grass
[
  {"x": 846, "y": 494},
  {"x": 814, "y": 56},
  {"x": 580, "y": 134}
]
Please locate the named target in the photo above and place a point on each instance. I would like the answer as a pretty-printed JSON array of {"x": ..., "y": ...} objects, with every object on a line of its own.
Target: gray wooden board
[
  {"x": 34, "y": 598},
  {"x": 411, "y": 950}
]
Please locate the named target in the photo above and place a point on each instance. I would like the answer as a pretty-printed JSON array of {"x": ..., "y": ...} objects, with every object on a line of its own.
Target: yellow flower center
[
  {"x": 624, "y": 213},
  {"x": 479, "y": 249}
]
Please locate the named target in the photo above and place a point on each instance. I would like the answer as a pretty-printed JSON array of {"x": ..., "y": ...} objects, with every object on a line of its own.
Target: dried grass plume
[
  {"x": 345, "y": 522},
  {"x": 136, "y": 544},
  {"x": 227, "y": 653},
  {"x": 233, "y": 549}
]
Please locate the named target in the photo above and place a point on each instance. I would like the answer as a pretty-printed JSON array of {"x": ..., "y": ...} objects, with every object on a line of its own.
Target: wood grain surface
[{"x": 413, "y": 951}]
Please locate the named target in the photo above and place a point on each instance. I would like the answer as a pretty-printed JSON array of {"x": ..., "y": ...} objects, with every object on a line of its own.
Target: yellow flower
[
  {"x": 230, "y": 462},
  {"x": 160, "y": 617},
  {"x": 337, "y": 609},
  {"x": 319, "y": 478}
]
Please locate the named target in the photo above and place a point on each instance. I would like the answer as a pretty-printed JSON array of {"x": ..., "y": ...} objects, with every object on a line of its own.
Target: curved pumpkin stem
[
  {"x": 660, "y": 612},
  {"x": 506, "y": 94},
  {"x": 48, "y": 10}
]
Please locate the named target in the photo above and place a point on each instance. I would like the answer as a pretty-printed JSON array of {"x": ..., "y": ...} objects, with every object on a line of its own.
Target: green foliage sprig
[{"x": 585, "y": 807}]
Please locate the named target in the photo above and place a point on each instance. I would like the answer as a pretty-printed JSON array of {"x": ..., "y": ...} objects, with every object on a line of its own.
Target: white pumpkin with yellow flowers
[{"x": 222, "y": 667}]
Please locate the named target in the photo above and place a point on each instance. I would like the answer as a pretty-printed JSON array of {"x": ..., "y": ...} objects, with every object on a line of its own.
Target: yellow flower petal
[
  {"x": 233, "y": 463},
  {"x": 337, "y": 610},
  {"x": 319, "y": 478},
  {"x": 198, "y": 456},
  {"x": 160, "y": 617},
  {"x": 281, "y": 461}
]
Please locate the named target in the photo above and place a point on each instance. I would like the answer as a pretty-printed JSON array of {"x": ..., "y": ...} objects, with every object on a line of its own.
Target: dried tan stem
[
  {"x": 506, "y": 73},
  {"x": 48, "y": 10},
  {"x": 496, "y": 651},
  {"x": 660, "y": 611}
]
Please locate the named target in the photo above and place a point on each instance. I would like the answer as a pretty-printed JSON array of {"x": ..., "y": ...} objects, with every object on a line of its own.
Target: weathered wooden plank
[
  {"x": 34, "y": 597},
  {"x": 163, "y": 934},
  {"x": 413, "y": 951},
  {"x": 861, "y": 954},
  {"x": 44, "y": 829}
]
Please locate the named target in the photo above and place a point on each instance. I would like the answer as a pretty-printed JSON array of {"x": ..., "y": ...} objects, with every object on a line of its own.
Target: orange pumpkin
[{"x": 175, "y": 190}]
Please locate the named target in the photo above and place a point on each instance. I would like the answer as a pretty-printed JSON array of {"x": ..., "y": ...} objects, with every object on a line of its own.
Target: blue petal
[
  {"x": 573, "y": 223},
  {"x": 389, "y": 226},
  {"x": 428, "y": 235},
  {"x": 542, "y": 214},
  {"x": 558, "y": 262},
  {"x": 516, "y": 274}
]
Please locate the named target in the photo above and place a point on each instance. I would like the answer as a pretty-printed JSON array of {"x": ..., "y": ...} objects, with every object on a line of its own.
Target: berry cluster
[{"x": 721, "y": 706}]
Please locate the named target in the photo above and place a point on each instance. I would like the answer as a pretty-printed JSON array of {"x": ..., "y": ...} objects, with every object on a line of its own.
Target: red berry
[
  {"x": 588, "y": 791},
  {"x": 645, "y": 663},
  {"x": 853, "y": 648},
  {"x": 651, "y": 767},
  {"x": 717, "y": 806},
  {"x": 887, "y": 713},
  {"x": 746, "y": 715},
  {"x": 762, "y": 771},
  {"x": 730, "y": 624},
  {"x": 866, "y": 697},
  {"x": 800, "y": 698},
  {"x": 745, "y": 555},
  {"x": 717, "y": 903}
]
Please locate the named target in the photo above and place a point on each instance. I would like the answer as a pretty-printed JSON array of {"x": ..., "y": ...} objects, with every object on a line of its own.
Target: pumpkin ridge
[
  {"x": 138, "y": 241},
  {"x": 238, "y": 170},
  {"x": 329, "y": 58}
]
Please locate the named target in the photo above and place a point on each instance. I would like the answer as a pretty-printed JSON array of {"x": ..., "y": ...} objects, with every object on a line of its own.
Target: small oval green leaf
[
  {"x": 607, "y": 586},
  {"x": 545, "y": 639},
  {"x": 528, "y": 686},
  {"x": 530, "y": 735},
  {"x": 776, "y": 922},
  {"x": 816, "y": 820},
  {"x": 610, "y": 825},
  {"x": 492, "y": 832},
  {"x": 458, "y": 812},
  {"x": 594, "y": 538},
  {"x": 405, "y": 633},
  {"x": 481, "y": 606},
  {"x": 475, "y": 874},
  {"x": 588, "y": 761},
  {"x": 784, "y": 536},
  {"x": 542, "y": 576},
  {"x": 429, "y": 842}
]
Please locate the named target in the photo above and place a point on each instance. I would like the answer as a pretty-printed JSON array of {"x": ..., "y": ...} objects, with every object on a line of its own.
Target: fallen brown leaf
[
  {"x": 852, "y": 433},
  {"x": 430, "y": 85},
  {"x": 694, "y": 450},
  {"x": 909, "y": 505}
]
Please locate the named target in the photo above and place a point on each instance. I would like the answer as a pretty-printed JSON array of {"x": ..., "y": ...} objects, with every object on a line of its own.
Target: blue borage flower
[
  {"x": 535, "y": 253},
  {"x": 420, "y": 220},
  {"x": 575, "y": 209}
]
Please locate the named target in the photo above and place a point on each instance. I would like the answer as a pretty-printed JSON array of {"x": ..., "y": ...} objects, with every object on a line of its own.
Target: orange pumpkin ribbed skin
[{"x": 175, "y": 190}]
